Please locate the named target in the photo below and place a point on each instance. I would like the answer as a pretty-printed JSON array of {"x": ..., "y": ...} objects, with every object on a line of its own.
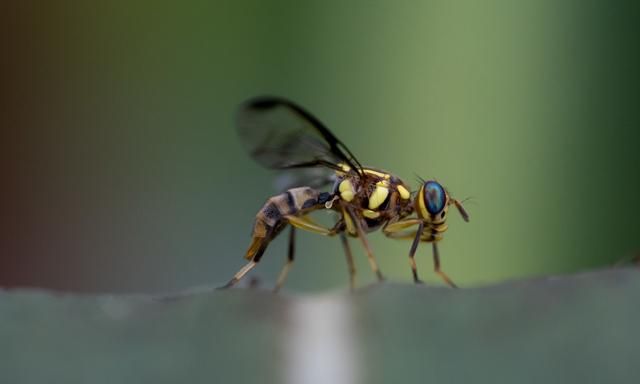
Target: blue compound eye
[{"x": 434, "y": 196}]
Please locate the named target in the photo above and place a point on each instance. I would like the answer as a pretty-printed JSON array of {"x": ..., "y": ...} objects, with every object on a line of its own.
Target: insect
[{"x": 281, "y": 135}]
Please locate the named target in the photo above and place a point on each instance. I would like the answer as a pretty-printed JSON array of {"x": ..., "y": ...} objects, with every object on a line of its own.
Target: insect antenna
[
  {"x": 469, "y": 198},
  {"x": 419, "y": 178}
]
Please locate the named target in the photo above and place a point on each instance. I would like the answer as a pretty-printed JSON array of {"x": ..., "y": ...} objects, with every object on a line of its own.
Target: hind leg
[
  {"x": 290, "y": 255},
  {"x": 302, "y": 222},
  {"x": 262, "y": 236}
]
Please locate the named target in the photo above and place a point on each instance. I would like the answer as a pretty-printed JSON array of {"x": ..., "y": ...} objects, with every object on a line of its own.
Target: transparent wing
[
  {"x": 279, "y": 134},
  {"x": 317, "y": 177}
]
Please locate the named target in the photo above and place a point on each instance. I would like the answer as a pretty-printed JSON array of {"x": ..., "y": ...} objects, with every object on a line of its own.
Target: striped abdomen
[{"x": 270, "y": 220}]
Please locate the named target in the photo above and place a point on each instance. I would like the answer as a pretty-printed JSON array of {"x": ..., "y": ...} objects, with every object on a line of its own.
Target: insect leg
[
  {"x": 397, "y": 230},
  {"x": 249, "y": 266},
  {"x": 436, "y": 265},
  {"x": 261, "y": 237},
  {"x": 307, "y": 224},
  {"x": 350, "y": 263},
  {"x": 290, "y": 255},
  {"x": 273, "y": 217},
  {"x": 412, "y": 253},
  {"x": 365, "y": 243},
  {"x": 303, "y": 222}
]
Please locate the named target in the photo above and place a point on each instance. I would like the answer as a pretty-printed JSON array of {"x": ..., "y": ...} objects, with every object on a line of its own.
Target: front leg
[
  {"x": 399, "y": 230},
  {"x": 436, "y": 267},
  {"x": 412, "y": 253}
]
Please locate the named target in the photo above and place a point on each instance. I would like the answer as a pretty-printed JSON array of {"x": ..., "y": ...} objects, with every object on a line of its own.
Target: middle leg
[
  {"x": 412, "y": 253},
  {"x": 365, "y": 243},
  {"x": 350, "y": 263},
  {"x": 400, "y": 230}
]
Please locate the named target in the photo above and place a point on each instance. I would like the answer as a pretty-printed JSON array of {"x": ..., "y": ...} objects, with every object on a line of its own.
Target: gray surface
[
  {"x": 574, "y": 329},
  {"x": 581, "y": 328},
  {"x": 218, "y": 337}
]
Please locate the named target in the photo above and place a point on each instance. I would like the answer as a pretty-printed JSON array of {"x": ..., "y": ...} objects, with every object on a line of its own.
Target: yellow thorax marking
[
  {"x": 346, "y": 190},
  {"x": 404, "y": 193},
  {"x": 370, "y": 214},
  {"x": 345, "y": 167},
  {"x": 385, "y": 176},
  {"x": 379, "y": 195}
]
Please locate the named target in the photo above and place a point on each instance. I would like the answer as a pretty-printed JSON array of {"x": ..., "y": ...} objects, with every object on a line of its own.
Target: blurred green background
[{"x": 123, "y": 172}]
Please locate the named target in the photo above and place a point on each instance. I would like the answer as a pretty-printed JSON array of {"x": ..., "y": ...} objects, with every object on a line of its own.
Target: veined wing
[{"x": 281, "y": 135}]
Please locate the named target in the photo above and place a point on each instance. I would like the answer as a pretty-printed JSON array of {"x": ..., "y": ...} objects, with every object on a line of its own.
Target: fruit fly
[{"x": 281, "y": 135}]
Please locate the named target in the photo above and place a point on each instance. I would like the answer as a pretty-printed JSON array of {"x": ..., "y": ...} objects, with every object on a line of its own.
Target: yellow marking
[
  {"x": 347, "y": 195},
  {"x": 370, "y": 214},
  {"x": 379, "y": 174},
  {"x": 345, "y": 185},
  {"x": 346, "y": 190},
  {"x": 421, "y": 207},
  {"x": 378, "y": 196},
  {"x": 351, "y": 228},
  {"x": 345, "y": 167},
  {"x": 404, "y": 193}
]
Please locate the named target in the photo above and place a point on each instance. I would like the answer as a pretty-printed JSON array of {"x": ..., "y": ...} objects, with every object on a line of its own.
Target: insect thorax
[{"x": 377, "y": 195}]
